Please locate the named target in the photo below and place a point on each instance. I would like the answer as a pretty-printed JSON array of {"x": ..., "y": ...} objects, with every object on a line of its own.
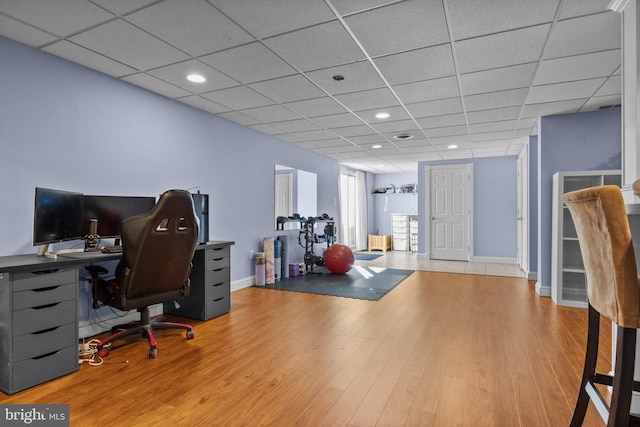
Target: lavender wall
[
  {"x": 494, "y": 206},
  {"x": 571, "y": 142},
  {"x": 386, "y": 204},
  {"x": 68, "y": 127}
]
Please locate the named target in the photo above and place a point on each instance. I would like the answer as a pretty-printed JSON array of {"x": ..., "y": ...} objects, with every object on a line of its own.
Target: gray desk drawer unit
[
  {"x": 38, "y": 327},
  {"x": 210, "y": 285}
]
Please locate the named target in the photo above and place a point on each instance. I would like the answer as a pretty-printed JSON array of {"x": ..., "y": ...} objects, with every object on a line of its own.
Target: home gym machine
[{"x": 307, "y": 238}]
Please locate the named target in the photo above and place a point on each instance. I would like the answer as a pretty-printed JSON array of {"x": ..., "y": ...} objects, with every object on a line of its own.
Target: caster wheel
[
  {"x": 190, "y": 334},
  {"x": 153, "y": 353},
  {"x": 103, "y": 352}
]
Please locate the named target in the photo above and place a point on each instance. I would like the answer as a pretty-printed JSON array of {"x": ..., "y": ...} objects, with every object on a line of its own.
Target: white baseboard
[
  {"x": 245, "y": 282},
  {"x": 493, "y": 260},
  {"x": 543, "y": 291},
  {"x": 532, "y": 275}
]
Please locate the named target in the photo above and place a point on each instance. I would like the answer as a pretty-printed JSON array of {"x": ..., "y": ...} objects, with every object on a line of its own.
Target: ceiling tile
[
  {"x": 513, "y": 77},
  {"x": 177, "y": 75},
  {"x": 435, "y": 108},
  {"x": 271, "y": 113},
  {"x": 357, "y": 76},
  {"x": 316, "y": 107},
  {"x": 350, "y": 131},
  {"x": 485, "y": 101},
  {"x": 23, "y": 33},
  {"x": 316, "y": 47},
  {"x": 481, "y": 17},
  {"x": 125, "y": 43},
  {"x": 238, "y": 98},
  {"x": 338, "y": 120},
  {"x": 265, "y": 128},
  {"x": 312, "y": 135},
  {"x": 156, "y": 85},
  {"x": 288, "y": 89},
  {"x": 493, "y": 115},
  {"x": 441, "y": 120},
  {"x": 562, "y": 91},
  {"x": 493, "y": 126},
  {"x": 204, "y": 104},
  {"x": 75, "y": 53},
  {"x": 613, "y": 86},
  {"x": 448, "y": 131},
  {"x": 502, "y": 49},
  {"x": 597, "y": 102},
  {"x": 239, "y": 118},
  {"x": 584, "y": 35},
  {"x": 414, "y": 25},
  {"x": 428, "y": 90},
  {"x": 58, "y": 17},
  {"x": 298, "y": 125},
  {"x": 552, "y": 108},
  {"x": 192, "y": 26},
  {"x": 240, "y": 62},
  {"x": 572, "y": 8},
  {"x": 367, "y": 99},
  {"x": 491, "y": 136},
  {"x": 579, "y": 67},
  {"x": 417, "y": 65},
  {"x": 123, "y": 7},
  {"x": 402, "y": 126},
  {"x": 266, "y": 18}
]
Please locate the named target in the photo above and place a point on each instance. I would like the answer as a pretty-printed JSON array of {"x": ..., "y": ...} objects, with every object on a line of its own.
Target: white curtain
[
  {"x": 361, "y": 212},
  {"x": 353, "y": 210}
]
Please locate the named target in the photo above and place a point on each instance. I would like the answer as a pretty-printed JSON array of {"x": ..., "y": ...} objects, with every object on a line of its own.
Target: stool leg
[
  {"x": 623, "y": 377},
  {"x": 589, "y": 370}
]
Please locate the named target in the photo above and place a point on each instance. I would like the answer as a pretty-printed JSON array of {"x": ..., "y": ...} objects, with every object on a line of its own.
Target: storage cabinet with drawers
[
  {"x": 210, "y": 284},
  {"x": 38, "y": 327},
  {"x": 403, "y": 227}
]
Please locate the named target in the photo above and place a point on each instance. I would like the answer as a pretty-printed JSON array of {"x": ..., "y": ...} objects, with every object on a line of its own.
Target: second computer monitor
[{"x": 111, "y": 210}]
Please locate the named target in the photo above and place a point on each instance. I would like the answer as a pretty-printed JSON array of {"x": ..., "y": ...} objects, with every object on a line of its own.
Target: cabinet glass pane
[
  {"x": 568, "y": 229},
  {"x": 572, "y": 183},
  {"x": 573, "y": 286},
  {"x": 571, "y": 256},
  {"x": 613, "y": 180}
]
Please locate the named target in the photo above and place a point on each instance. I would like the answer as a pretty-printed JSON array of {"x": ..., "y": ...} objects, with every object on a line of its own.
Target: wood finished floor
[{"x": 440, "y": 349}]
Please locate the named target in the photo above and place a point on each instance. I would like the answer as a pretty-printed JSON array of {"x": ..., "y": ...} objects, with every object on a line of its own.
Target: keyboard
[{"x": 111, "y": 249}]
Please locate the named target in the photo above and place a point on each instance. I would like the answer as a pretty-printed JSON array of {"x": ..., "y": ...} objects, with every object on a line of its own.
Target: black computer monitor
[
  {"x": 111, "y": 210},
  {"x": 57, "y": 216}
]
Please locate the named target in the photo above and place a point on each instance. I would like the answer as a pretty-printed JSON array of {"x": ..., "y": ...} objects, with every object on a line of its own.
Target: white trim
[
  {"x": 543, "y": 291},
  {"x": 493, "y": 260},
  {"x": 246, "y": 282},
  {"x": 617, "y": 5},
  {"x": 532, "y": 275}
]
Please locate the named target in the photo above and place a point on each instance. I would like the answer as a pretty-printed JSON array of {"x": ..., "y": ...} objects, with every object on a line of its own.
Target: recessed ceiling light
[
  {"x": 196, "y": 78},
  {"x": 376, "y": 146},
  {"x": 383, "y": 115},
  {"x": 452, "y": 146},
  {"x": 403, "y": 136},
  {"x": 380, "y": 166}
]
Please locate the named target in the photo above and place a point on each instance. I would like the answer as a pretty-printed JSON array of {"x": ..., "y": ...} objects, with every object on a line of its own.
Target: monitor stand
[{"x": 43, "y": 249}]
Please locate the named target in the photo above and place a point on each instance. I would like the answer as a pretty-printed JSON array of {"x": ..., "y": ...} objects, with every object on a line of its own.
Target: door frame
[
  {"x": 523, "y": 210},
  {"x": 469, "y": 204}
]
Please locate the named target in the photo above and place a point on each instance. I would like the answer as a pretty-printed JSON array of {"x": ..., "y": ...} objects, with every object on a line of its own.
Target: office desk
[{"x": 39, "y": 309}]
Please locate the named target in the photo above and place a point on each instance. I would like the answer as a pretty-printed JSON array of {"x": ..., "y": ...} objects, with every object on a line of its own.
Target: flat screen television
[
  {"x": 111, "y": 210},
  {"x": 57, "y": 216}
]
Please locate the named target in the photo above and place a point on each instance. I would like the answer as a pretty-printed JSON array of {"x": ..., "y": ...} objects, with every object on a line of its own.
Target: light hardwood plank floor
[{"x": 440, "y": 349}]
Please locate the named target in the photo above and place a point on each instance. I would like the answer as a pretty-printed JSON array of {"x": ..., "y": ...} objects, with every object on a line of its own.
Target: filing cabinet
[
  {"x": 210, "y": 294},
  {"x": 38, "y": 327}
]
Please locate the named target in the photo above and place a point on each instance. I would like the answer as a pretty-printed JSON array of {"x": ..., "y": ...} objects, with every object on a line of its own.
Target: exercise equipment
[
  {"x": 338, "y": 259},
  {"x": 307, "y": 238}
]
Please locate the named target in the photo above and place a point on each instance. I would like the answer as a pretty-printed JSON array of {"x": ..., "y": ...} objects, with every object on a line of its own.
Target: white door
[
  {"x": 450, "y": 211},
  {"x": 284, "y": 199},
  {"x": 523, "y": 211}
]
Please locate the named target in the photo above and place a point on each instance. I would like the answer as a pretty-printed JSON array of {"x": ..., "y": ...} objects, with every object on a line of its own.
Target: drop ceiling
[{"x": 475, "y": 74}]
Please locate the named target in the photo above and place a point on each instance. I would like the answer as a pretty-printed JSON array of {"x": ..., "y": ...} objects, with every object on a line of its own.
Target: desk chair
[
  {"x": 157, "y": 248},
  {"x": 613, "y": 291}
]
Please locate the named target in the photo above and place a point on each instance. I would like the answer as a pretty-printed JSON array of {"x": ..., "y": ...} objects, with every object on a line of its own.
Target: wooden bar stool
[{"x": 613, "y": 291}]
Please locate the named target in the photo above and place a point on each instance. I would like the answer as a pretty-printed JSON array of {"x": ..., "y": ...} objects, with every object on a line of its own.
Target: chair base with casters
[
  {"x": 617, "y": 412},
  {"x": 145, "y": 327}
]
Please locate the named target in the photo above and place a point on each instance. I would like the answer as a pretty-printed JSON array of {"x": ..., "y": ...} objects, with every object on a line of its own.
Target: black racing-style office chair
[{"x": 157, "y": 249}]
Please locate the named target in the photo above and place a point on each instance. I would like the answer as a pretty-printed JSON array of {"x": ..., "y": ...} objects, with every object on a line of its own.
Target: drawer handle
[
  {"x": 44, "y": 331},
  {"x": 47, "y": 289},
  {"x": 46, "y": 355},
  {"x": 219, "y": 269},
  {"x": 218, "y": 299},
  {"x": 40, "y": 307},
  {"x": 218, "y": 259},
  {"x": 219, "y": 284},
  {"x": 218, "y": 249},
  {"x": 53, "y": 270}
]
